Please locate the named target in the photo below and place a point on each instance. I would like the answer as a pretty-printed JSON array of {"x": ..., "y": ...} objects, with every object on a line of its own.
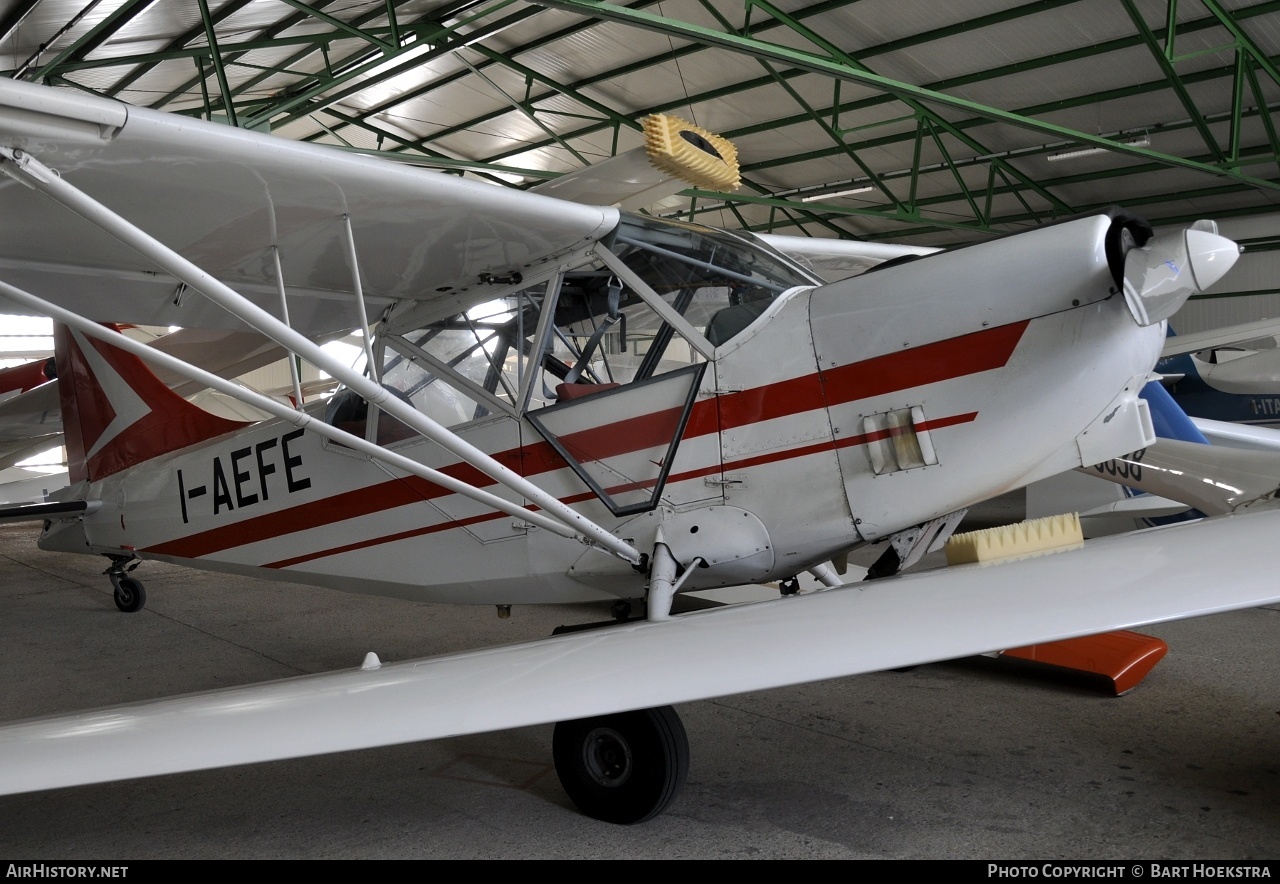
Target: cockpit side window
[{"x": 662, "y": 297}]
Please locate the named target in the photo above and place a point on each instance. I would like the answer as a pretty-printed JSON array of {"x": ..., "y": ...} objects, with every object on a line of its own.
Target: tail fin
[{"x": 116, "y": 413}]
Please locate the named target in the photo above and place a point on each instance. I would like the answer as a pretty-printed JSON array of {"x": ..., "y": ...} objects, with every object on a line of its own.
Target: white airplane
[
  {"x": 1197, "y": 467},
  {"x": 1213, "y": 377},
  {"x": 564, "y": 403}
]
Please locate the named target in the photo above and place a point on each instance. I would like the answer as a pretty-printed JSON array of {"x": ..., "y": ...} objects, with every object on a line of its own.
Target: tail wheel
[
  {"x": 129, "y": 594},
  {"x": 623, "y": 768}
]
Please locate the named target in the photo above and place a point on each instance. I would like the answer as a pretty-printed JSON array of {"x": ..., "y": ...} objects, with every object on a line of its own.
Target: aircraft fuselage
[{"x": 843, "y": 414}]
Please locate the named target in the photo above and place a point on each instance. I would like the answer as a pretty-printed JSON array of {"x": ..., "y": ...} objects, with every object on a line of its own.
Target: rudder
[{"x": 116, "y": 413}]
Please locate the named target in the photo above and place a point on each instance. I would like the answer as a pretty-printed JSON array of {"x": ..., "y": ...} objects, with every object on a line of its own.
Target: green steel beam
[
  {"x": 1175, "y": 82},
  {"x": 1077, "y": 54},
  {"x": 94, "y": 37},
  {"x": 276, "y": 30},
  {"x": 892, "y": 46},
  {"x": 904, "y": 91},
  {"x": 817, "y": 119},
  {"x": 233, "y": 52},
  {"x": 846, "y": 60},
  {"x": 1237, "y": 108},
  {"x": 1030, "y": 216},
  {"x": 1046, "y": 108},
  {"x": 146, "y": 58},
  {"x": 1082, "y": 52},
  {"x": 218, "y": 69},
  {"x": 570, "y": 92},
  {"x": 845, "y": 148},
  {"x": 1170, "y": 28},
  {"x": 224, "y": 12},
  {"x": 959, "y": 179},
  {"x": 321, "y": 93},
  {"x": 339, "y": 25},
  {"x": 547, "y": 39},
  {"x": 1243, "y": 40},
  {"x": 526, "y": 111},
  {"x": 678, "y": 53},
  {"x": 1263, "y": 111}
]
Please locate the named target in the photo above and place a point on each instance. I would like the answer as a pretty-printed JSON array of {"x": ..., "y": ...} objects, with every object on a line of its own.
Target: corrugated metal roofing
[{"x": 514, "y": 86}]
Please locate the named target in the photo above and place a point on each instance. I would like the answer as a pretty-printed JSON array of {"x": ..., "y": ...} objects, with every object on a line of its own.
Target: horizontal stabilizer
[{"x": 1114, "y": 583}]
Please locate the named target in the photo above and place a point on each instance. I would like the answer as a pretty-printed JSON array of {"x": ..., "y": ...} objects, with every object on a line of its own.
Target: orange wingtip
[{"x": 1123, "y": 657}]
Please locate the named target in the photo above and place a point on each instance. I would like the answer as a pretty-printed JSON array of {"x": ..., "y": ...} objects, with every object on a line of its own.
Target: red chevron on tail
[{"x": 116, "y": 413}]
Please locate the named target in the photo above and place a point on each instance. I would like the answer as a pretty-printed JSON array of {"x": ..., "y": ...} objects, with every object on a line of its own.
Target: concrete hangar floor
[{"x": 967, "y": 759}]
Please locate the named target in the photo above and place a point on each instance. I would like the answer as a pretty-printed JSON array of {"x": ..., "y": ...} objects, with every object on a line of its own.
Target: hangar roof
[{"x": 948, "y": 122}]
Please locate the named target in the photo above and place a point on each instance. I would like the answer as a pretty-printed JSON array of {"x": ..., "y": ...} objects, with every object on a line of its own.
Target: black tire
[
  {"x": 129, "y": 594},
  {"x": 623, "y": 768}
]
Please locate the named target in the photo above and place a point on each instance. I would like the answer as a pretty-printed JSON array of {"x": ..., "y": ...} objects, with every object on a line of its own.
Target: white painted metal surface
[
  {"x": 1220, "y": 337},
  {"x": 1120, "y": 582},
  {"x": 1161, "y": 275},
  {"x": 1238, "y": 435},
  {"x": 417, "y": 232},
  {"x": 35, "y": 173},
  {"x": 1215, "y": 479},
  {"x": 837, "y": 259}
]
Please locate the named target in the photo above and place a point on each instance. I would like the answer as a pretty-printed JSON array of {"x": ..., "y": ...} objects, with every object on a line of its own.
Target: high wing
[
  {"x": 1120, "y": 582},
  {"x": 819, "y": 417},
  {"x": 420, "y": 235},
  {"x": 676, "y": 155},
  {"x": 836, "y": 259}
]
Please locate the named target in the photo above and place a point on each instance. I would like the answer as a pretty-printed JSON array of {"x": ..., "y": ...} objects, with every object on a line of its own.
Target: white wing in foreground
[{"x": 1119, "y": 582}]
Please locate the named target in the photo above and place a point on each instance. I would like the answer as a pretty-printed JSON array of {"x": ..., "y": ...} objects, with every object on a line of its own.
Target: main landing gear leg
[
  {"x": 129, "y": 594},
  {"x": 623, "y": 768}
]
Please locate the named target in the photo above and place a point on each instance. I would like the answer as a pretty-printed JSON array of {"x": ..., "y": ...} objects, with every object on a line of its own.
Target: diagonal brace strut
[{"x": 31, "y": 172}]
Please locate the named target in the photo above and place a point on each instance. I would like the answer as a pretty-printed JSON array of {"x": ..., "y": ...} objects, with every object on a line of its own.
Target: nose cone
[
  {"x": 1171, "y": 267},
  {"x": 1211, "y": 256}
]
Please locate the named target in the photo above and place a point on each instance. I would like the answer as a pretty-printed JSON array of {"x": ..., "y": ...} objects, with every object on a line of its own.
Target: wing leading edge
[{"x": 1119, "y": 582}]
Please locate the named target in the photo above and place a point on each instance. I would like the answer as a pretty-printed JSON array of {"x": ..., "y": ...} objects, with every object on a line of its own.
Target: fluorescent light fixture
[
  {"x": 839, "y": 193},
  {"x": 1142, "y": 141}
]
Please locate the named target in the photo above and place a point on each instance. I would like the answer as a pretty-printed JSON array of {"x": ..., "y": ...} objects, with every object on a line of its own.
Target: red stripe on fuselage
[
  {"x": 742, "y": 464},
  {"x": 931, "y": 363}
]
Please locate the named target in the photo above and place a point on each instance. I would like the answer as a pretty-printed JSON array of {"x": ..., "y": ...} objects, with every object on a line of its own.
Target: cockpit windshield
[{"x": 673, "y": 255}]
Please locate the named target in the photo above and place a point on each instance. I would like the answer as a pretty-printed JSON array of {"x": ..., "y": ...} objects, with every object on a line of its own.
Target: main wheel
[
  {"x": 623, "y": 768},
  {"x": 129, "y": 594}
]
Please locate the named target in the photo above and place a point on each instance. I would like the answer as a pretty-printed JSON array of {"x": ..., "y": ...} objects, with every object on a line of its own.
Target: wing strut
[
  {"x": 31, "y": 172},
  {"x": 284, "y": 314},
  {"x": 359, "y": 290},
  {"x": 298, "y": 418}
]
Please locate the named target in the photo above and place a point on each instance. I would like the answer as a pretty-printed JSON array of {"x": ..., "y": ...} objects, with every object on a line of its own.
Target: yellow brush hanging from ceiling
[{"x": 691, "y": 153}]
